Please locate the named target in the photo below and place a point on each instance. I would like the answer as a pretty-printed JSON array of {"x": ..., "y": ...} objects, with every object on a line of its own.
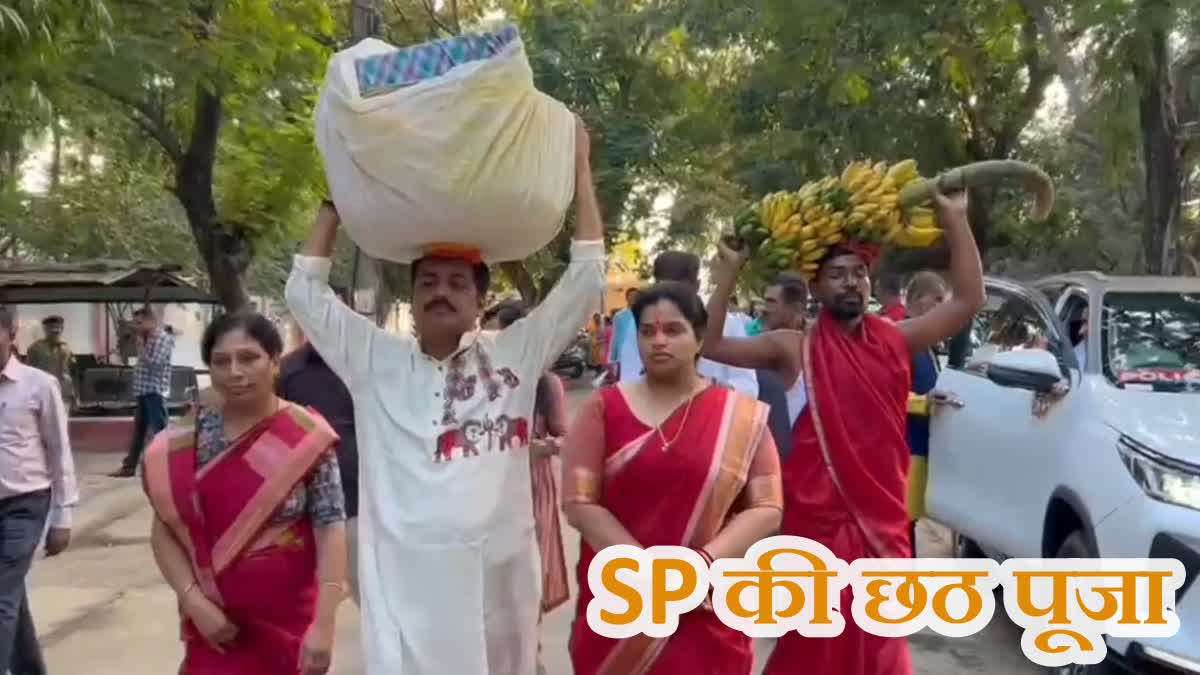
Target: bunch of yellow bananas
[{"x": 796, "y": 229}]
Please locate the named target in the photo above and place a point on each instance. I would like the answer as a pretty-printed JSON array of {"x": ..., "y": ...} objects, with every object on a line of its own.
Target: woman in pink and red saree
[
  {"x": 709, "y": 445},
  {"x": 249, "y": 529}
]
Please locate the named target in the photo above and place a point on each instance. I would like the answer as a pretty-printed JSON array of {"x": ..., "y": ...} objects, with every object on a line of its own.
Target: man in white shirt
[
  {"x": 684, "y": 268},
  {"x": 738, "y": 316},
  {"x": 37, "y": 484},
  {"x": 449, "y": 575}
]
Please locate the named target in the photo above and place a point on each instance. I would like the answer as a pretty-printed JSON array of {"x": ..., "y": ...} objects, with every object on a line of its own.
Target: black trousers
[{"x": 22, "y": 521}]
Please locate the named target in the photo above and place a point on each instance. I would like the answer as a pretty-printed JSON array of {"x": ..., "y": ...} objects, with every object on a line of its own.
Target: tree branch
[
  {"x": 206, "y": 128},
  {"x": 1039, "y": 75},
  {"x": 432, "y": 12},
  {"x": 403, "y": 16},
  {"x": 1065, "y": 65},
  {"x": 148, "y": 117},
  {"x": 975, "y": 130},
  {"x": 1183, "y": 71}
]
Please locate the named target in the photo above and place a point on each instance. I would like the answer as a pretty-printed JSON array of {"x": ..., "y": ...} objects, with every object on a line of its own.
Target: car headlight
[{"x": 1162, "y": 478}]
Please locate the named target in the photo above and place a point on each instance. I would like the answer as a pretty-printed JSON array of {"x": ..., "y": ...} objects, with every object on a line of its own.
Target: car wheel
[
  {"x": 1076, "y": 546},
  {"x": 965, "y": 547}
]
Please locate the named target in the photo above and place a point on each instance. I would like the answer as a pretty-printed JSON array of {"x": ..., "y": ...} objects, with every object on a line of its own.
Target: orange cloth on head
[{"x": 462, "y": 252}]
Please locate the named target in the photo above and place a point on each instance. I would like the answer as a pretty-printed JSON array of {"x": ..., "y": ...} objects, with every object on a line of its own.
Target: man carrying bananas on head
[{"x": 845, "y": 481}]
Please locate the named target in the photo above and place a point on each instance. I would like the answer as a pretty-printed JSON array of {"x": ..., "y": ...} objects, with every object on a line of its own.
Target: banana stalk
[{"x": 989, "y": 172}]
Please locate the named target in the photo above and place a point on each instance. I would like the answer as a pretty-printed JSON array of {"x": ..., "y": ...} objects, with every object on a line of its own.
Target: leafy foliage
[{"x": 181, "y": 129}]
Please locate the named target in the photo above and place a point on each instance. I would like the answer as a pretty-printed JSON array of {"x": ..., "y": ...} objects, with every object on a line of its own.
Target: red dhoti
[{"x": 845, "y": 482}]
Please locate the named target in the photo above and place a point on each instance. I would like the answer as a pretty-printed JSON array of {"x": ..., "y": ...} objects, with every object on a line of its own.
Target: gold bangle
[
  {"x": 340, "y": 585},
  {"x": 188, "y": 589}
]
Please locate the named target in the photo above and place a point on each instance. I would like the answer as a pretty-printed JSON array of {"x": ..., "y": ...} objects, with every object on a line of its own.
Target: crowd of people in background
[
  {"x": 416, "y": 474},
  {"x": 663, "y": 353}
]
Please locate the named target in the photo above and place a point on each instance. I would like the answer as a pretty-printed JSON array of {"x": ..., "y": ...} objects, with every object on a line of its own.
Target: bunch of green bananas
[{"x": 795, "y": 230}]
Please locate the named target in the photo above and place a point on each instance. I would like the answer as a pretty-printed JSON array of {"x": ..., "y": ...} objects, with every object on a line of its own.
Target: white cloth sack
[{"x": 476, "y": 157}]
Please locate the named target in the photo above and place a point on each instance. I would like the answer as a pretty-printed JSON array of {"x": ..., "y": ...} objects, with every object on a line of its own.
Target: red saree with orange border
[
  {"x": 262, "y": 575},
  {"x": 720, "y": 462},
  {"x": 846, "y": 481},
  {"x": 550, "y": 419}
]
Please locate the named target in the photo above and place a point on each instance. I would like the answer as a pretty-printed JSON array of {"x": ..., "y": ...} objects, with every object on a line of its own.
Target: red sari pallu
[
  {"x": 721, "y": 462},
  {"x": 263, "y": 577},
  {"x": 549, "y": 420},
  {"x": 846, "y": 482}
]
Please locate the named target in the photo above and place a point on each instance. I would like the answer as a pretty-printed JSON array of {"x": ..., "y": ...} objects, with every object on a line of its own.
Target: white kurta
[{"x": 448, "y": 563}]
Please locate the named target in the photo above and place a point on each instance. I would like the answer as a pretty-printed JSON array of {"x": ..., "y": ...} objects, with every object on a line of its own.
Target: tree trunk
[
  {"x": 56, "y": 159},
  {"x": 392, "y": 285},
  {"x": 226, "y": 252},
  {"x": 364, "y": 20},
  {"x": 518, "y": 275},
  {"x": 1162, "y": 146},
  {"x": 369, "y": 272}
]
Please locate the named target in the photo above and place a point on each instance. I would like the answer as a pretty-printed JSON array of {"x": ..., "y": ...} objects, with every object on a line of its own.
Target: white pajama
[{"x": 449, "y": 572}]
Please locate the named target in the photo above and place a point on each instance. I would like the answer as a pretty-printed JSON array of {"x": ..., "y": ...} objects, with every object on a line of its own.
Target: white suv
[{"x": 1112, "y": 468}]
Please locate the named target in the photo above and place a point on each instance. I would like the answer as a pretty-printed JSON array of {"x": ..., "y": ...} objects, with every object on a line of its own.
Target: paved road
[{"x": 102, "y": 608}]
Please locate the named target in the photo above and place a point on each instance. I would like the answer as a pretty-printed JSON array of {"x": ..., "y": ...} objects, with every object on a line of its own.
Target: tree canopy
[{"x": 182, "y": 130}]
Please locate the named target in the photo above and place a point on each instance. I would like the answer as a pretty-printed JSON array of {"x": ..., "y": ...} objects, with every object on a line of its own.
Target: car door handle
[{"x": 947, "y": 399}]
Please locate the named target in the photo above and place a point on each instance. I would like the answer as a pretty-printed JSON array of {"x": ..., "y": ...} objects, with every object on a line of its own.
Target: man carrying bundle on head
[
  {"x": 846, "y": 481},
  {"x": 448, "y": 557}
]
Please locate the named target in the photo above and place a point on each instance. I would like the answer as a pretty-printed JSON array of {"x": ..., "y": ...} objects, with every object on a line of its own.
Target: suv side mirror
[{"x": 1033, "y": 369}]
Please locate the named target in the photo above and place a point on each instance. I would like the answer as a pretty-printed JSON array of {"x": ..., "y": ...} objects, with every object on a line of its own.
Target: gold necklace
[{"x": 682, "y": 424}]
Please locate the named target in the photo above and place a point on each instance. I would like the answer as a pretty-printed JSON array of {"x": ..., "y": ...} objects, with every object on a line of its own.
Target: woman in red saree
[
  {"x": 249, "y": 531},
  {"x": 672, "y": 428},
  {"x": 845, "y": 482}
]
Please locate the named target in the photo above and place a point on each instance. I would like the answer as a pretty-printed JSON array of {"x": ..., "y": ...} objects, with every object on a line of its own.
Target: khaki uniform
[{"x": 54, "y": 358}]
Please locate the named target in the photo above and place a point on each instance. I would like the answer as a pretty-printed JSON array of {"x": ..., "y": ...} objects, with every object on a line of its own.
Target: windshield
[{"x": 1152, "y": 340}]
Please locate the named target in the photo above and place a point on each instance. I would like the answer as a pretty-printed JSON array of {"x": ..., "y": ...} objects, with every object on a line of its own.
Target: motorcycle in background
[{"x": 574, "y": 362}]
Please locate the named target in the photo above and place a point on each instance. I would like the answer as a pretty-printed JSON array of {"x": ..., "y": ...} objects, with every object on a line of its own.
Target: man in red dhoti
[{"x": 845, "y": 481}]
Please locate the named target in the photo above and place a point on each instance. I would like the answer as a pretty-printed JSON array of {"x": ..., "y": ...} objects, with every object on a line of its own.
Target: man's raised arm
[
  {"x": 551, "y": 326},
  {"x": 966, "y": 280},
  {"x": 340, "y": 335},
  {"x": 764, "y": 351}
]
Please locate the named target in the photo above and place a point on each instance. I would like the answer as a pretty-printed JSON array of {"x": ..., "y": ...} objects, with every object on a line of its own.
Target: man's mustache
[{"x": 436, "y": 302}]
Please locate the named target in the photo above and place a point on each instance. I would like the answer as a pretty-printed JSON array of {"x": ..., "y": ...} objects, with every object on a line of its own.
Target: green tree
[
  {"x": 224, "y": 91},
  {"x": 1135, "y": 94},
  {"x": 629, "y": 69},
  {"x": 829, "y": 82},
  {"x": 33, "y": 37}
]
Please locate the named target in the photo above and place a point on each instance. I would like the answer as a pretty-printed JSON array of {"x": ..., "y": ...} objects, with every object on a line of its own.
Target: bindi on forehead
[{"x": 659, "y": 323}]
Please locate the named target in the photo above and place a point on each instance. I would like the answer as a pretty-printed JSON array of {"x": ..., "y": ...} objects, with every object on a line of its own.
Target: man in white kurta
[{"x": 449, "y": 570}]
